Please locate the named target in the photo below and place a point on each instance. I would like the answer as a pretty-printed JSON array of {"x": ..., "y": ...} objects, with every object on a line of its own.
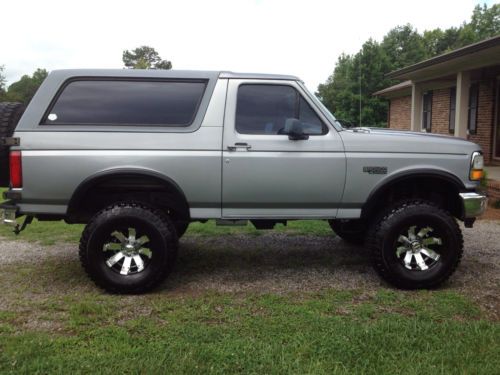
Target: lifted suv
[{"x": 138, "y": 155}]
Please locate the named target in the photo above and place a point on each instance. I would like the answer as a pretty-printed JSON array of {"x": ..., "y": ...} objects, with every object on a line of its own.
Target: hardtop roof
[{"x": 177, "y": 74}]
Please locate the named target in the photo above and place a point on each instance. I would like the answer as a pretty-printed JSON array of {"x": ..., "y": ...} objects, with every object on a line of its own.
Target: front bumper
[{"x": 474, "y": 204}]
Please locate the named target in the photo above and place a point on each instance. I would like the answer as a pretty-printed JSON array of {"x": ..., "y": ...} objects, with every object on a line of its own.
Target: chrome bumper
[
  {"x": 474, "y": 204},
  {"x": 8, "y": 215}
]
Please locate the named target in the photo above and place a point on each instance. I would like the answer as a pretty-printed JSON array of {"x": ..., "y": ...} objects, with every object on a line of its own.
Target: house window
[
  {"x": 427, "y": 112},
  {"x": 453, "y": 102},
  {"x": 473, "y": 104}
]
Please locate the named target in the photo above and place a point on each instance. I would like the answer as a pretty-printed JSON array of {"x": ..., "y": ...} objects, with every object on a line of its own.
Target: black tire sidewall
[
  {"x": 447, "y": 256},
  {"x": 144, "y": 220},
  {"x": 383, "y": 237},
  {"x": 181, "y": 227}
]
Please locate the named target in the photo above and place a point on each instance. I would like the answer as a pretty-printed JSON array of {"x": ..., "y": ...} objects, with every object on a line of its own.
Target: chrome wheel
[
  {"x": 420, "y": 250},
  {"x": 129, "y": 254}
]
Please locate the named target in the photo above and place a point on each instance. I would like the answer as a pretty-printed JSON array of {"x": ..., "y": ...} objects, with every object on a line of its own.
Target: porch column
[
  {"x": 416, "y": 107},
  {"x": 462, "y": 104}
]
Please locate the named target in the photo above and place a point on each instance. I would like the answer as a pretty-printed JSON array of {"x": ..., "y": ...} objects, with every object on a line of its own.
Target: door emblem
[{"x": 375, "y": 170}]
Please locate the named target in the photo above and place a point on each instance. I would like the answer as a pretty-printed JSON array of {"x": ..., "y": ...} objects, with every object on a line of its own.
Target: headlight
[{"x": 476, "y": 166}]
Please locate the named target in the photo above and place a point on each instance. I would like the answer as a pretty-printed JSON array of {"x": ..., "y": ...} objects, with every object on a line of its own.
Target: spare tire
[{"x": 10, "y": 113}]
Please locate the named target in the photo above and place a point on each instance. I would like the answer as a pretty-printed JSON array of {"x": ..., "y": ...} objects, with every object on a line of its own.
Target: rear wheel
[
  {"x": 181, "y": 227},
  {"x": 128, "y": 248},
  {"x": 415, "y": 245},
  {"x": 10, "y": 113}
]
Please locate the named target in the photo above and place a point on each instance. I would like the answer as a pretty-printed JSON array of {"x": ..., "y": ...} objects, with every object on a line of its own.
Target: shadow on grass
[{"x": 270, "y": 262}]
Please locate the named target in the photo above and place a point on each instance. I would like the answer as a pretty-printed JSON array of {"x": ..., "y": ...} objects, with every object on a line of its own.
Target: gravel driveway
[{"x": 273, "y": 262}]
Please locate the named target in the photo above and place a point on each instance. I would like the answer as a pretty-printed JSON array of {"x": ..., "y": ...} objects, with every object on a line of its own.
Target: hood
[{"x": 387, "y": 140}]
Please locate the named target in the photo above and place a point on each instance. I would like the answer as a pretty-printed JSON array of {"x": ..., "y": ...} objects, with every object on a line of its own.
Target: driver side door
[{"x": 265, "y": 172}]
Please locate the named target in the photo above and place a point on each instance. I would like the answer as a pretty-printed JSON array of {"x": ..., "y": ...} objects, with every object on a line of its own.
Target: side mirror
[{"x": 294, "y": 129}]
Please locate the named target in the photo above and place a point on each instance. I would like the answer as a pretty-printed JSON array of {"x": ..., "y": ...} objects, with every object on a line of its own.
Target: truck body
[{"x": 222, "y": 145}]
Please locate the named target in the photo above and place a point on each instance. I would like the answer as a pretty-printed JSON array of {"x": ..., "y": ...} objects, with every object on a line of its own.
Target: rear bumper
[
  {"x": 8, "y": 214},
  {"x": 474, "y": 204}
]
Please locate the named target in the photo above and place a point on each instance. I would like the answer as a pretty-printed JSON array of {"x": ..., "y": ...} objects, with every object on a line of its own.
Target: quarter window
[
  {"x": 265, "y": 109},
  {"x": 127, "y": 102}
]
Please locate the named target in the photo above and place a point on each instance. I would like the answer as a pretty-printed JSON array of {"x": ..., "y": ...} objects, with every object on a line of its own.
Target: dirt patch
[{"x": 270, "y": 263}]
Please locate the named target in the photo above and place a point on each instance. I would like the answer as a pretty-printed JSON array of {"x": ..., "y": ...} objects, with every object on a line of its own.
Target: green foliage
[
  {"x": 484, "y": 179},
  {"x": 24, "y": 89},
  {"x": 485, "y": 22},
  {"x": 356, "y": 77},
  {"x": 144, "y": 57},
  {"x": 2, "y": 83},
  {"x": 403, "y": 46}
]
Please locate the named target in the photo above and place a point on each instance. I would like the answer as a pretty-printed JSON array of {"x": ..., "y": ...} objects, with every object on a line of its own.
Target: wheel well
[
  {"x": 100, "y": 191},
  {"x": 440, "y": 190}
]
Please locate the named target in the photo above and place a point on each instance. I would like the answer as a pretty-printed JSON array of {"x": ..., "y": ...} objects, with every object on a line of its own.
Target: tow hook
[
  {"x": 27, "y": 220},
  {"x": 469, "y": 222}
]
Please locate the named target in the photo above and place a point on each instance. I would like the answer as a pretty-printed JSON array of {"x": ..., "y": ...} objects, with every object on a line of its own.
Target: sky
[{"x": 302, "y": 38}]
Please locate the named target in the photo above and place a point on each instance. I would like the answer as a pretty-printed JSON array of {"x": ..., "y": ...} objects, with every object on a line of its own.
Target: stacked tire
[{"x": 10, "y": 114}]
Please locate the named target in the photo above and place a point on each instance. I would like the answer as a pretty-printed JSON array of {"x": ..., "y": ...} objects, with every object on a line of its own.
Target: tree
[
  {"x": 24, "y": 89},
  {"x": 348, "y": 91},
  {"x": 2, "y": 82},
  {"x": 484, "y": 23},
  {"x": 144, "y": 57},
  {"x": 404, "y": 46}
]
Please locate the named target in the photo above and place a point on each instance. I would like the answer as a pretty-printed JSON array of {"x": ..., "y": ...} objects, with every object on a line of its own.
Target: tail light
[{"x": 16, "y": 169}]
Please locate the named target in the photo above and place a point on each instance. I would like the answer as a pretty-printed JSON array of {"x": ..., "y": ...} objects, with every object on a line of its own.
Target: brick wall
[
  {"x": 485, "y": 114},
  {"x": 440, "y": 111},
  {"x": 493, "y": 191},
  {"x": 400, "y": 113},
  {"x": 400, "y": 116}
]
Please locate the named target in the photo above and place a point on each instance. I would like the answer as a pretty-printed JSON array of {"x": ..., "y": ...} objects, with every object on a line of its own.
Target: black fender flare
[
  {"x": 385, "y": 184},
  {"x": 86, "y": 185}
]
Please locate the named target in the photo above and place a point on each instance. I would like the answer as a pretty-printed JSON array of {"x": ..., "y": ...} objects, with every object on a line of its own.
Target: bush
[{"x": 484, "y": 179}]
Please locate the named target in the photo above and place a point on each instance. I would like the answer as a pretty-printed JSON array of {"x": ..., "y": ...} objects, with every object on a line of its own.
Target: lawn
[
  {"x": 53, "y": 320},
  {"x": 331, "y": 332}
]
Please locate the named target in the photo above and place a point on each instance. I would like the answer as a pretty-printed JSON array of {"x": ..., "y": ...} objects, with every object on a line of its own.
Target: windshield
[{"x": 322, "y": 108}]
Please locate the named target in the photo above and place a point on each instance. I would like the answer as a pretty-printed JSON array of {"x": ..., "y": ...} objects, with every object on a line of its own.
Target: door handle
[{"x": 239, "y": 145}]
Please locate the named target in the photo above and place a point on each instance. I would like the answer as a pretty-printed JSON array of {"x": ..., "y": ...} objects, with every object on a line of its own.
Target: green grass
[
  {"x": 53, "y": 320},
  {"x": 331, "y": 332},
  {"x": 51, "y": 232}
]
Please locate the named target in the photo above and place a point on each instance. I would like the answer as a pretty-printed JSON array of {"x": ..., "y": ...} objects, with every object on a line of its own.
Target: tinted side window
[
  {"x": 121, "y": 102},
  {"x": 309, "y": 118},
  {"x": 264, "y": 109}
]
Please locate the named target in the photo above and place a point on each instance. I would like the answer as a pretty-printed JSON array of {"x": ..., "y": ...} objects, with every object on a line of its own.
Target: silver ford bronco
[{"x": 137, "y": 155}]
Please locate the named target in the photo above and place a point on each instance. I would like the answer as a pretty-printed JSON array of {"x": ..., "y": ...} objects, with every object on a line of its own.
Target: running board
[{"x": 230, "y": 223}]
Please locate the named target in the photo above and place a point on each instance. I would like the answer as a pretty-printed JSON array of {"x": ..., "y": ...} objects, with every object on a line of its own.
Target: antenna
[{"x": 360, "y": 56}]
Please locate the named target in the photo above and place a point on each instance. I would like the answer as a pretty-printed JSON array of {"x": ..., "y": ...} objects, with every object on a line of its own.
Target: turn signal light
[
  {"x": 476, "y": 166},
  {"x": 476, "y": 174},
  {"x": 16, "y": 169}
]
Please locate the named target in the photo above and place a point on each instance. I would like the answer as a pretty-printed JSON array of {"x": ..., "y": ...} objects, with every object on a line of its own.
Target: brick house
[{"x": 456, "y": 93}]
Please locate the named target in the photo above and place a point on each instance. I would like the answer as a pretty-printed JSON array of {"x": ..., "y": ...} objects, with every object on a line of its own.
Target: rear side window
[
  {"x": 122, "y": 102},
  {"x": 265, "y": 109}
]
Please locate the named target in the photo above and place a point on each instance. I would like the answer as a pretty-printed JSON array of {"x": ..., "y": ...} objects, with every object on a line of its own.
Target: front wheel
[
  {"x": 415, "y": 245},
  {"x": 128, "y": 248}
]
